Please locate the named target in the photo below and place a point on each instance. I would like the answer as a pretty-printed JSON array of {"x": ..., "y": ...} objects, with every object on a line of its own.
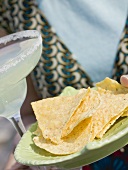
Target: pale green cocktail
[{"x": 19, "y": 54}]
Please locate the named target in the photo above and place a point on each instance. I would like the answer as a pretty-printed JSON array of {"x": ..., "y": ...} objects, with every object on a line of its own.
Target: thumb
[{"x": 124, "y": 80}]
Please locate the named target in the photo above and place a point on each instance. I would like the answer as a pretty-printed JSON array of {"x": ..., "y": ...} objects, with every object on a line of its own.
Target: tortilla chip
[
  {"x": 72, "y": 143},
  {"x": 112, "y": 105},
  {"x": 115, "y": 87},
  {"x": 85, "y": 110},
  {"x": 112, "y": 85},
  {"x": 52, "y": 114},
  {"x": 107, "y": 126}
]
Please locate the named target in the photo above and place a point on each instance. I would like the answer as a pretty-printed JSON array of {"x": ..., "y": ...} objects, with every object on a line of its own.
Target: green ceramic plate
[{"x": 27, "y": 153}]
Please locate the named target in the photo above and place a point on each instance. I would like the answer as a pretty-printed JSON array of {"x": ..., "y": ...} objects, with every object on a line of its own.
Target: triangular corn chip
[
  {"x": 112, "y": 85},
  {"x": 108, "y": 125},
  {"x": 52, "y": 114},
  {"x": 85, "y": 110},
  {"x": 112, "y": 106},
  {"x": 72, "y": 143}
]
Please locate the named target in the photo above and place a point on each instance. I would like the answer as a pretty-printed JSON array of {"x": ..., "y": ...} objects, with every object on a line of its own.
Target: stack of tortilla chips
[{"x": 67, "y": 123}]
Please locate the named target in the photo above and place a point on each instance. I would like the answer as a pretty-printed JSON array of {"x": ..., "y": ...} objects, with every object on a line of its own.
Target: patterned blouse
[{"x": 57, "y": 68}]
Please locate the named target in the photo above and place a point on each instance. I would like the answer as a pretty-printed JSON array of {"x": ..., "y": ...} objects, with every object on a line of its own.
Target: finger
[{"x": 124, "y": 80}]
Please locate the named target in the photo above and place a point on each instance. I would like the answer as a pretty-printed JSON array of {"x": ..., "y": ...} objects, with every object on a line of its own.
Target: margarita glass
[{"x": 19, "y": 54}]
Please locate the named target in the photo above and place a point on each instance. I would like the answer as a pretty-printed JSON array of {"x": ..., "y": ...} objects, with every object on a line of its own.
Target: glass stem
[{"x": 18, "y": 124}]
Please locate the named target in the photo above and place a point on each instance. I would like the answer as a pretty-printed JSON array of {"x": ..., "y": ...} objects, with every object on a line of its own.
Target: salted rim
[{"x": 17, "y": 36}]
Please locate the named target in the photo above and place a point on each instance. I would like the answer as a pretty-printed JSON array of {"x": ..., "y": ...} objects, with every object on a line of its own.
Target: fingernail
[{"x": 125, "y": 76}]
